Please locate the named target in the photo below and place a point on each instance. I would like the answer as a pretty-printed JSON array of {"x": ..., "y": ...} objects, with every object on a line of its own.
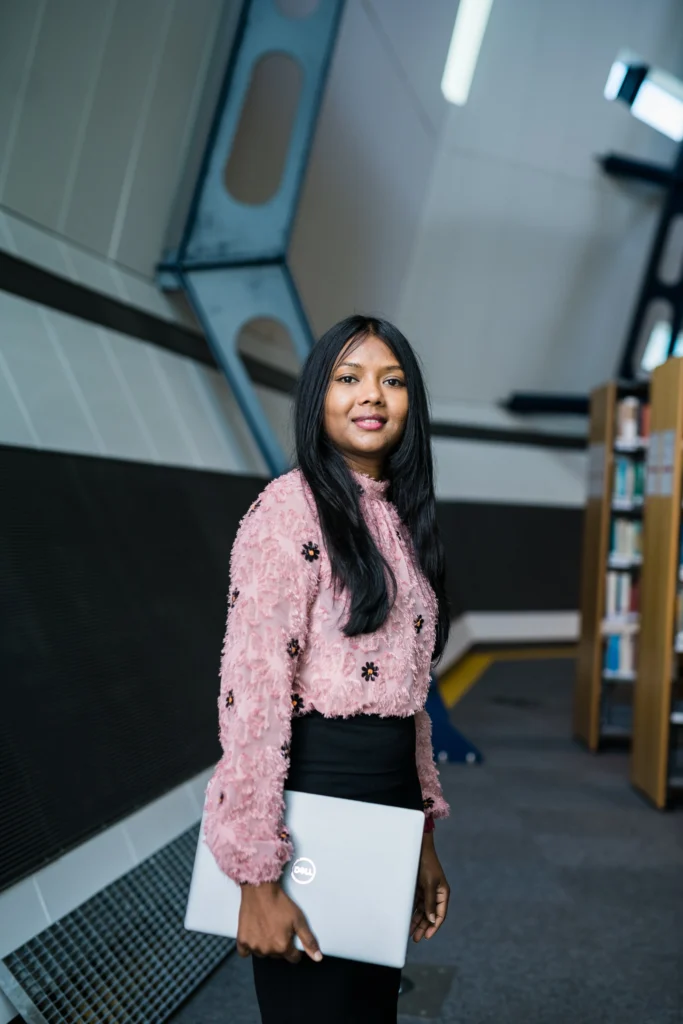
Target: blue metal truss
[{"x": 232, "y": 260}]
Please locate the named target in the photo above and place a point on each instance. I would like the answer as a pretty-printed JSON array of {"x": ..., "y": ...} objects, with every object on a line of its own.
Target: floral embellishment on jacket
[
  {"x": 310, "y": 551},
  {"x": 369, "y": 671},
  {"x": 283, "y": 835},
  {"x": 293, "y": 648},
  {"x": 285, "y": 749},
  {"x": 419, "y": 623},
  {"x": 233, "y": 598},
  {"x": 428, "y": 803},
  {"x": 297, "y": 703},
  {"x": 230, "y": 699},
  {"x": 221, "y": 798},
  {"x": 252, "y": 508}
]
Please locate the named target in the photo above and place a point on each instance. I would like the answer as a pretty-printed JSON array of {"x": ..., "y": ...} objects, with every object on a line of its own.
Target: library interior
[{"x": 192, "y": 192}]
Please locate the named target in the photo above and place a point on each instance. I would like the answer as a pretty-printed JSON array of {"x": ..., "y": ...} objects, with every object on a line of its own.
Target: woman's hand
[
  {"x": 432, "y": 893},
  {"x": 268, "y": 922}
]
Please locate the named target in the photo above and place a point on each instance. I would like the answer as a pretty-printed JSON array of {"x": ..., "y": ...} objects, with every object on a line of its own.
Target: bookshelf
[
  {"x": 656, "y": 764},
  {"x": 611, "y": 563}
]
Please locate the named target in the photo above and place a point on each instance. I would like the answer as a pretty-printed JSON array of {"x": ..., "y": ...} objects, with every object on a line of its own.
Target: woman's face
[{"x": 366, "y": 404}]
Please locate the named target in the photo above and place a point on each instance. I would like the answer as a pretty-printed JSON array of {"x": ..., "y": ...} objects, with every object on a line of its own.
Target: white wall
[
  {"x": 372, "y": 158},
  {"x": 98, "y": 107},
  {"x": 70, "y": 386},
  {"x": 104, "y": 111},
  {"x": 528, "y": 259}
]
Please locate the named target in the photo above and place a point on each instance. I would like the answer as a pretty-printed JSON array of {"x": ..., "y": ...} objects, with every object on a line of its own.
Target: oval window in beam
[
  {"x": 259, "y": 152},
  {"x": 298, "y": 8},
  {"x": 655, "y": 336},
  {"x": 270, "y": 358},
  {"x": 670, "y": 269}
]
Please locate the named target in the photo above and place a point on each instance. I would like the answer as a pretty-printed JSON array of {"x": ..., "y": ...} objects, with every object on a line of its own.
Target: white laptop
[{"x": 353, "y": 874}]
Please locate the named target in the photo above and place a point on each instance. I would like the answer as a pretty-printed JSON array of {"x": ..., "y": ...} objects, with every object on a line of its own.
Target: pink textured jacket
[{"x": 285, "y": 654}]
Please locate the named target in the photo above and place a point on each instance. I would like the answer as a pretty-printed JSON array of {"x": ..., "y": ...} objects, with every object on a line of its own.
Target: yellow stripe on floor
[
  {"x": 462, "y": 677},
  {"x": 469, "y": 670}
]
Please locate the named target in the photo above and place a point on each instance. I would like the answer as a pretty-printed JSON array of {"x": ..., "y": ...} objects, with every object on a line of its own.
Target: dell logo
[{"x": 303, "y": 871}]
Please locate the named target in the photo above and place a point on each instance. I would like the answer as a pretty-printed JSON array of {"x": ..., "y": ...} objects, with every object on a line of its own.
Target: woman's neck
[{"x": 369, "y": 467}]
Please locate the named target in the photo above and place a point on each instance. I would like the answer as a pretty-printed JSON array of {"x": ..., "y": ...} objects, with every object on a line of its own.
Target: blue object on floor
[{"x": 448, "y": 743}]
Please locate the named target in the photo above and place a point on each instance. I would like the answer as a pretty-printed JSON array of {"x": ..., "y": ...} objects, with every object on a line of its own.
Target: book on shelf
[
  {"x": 633, "y": 421},
  {"x": 620, "y": 655},
  {"x": 626, "y": 539},
  {"x": 629, "y": 479},
  {"x": 622, "y": 595}
]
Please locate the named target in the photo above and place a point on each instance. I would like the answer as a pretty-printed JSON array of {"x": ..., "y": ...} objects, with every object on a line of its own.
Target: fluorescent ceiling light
[
  {"x": 615, "y": 80},
  {"x": 659, "y": 103},
  {"x": 468, "y": 33},
  {"x": 624, "y": 60}
]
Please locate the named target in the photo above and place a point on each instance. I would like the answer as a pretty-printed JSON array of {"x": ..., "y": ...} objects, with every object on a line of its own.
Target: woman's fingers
[
  {"x": 242, "y": 949},
  {"x": 430, "y": 889},
  {"x": 308, "y": 939},
  {"x": 442, "y": 898},
  {"x": 293, "y": 955}
]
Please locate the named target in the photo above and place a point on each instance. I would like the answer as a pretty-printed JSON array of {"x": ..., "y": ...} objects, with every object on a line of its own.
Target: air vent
[{"x": 123, "y": 957}]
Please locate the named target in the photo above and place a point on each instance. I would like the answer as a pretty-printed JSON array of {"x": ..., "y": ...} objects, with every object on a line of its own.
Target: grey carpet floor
[{"x": 567, "y": 898}]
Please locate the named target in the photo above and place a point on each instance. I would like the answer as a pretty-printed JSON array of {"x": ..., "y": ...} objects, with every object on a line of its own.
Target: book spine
[{"x": 612, "y": 578}]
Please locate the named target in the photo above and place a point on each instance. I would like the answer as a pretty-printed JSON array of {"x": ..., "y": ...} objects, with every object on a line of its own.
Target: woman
[{"x": 336, "y": 610}]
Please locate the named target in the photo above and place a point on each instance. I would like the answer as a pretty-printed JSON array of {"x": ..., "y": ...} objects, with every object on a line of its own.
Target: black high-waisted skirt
[{"x": 360, "y": 758}]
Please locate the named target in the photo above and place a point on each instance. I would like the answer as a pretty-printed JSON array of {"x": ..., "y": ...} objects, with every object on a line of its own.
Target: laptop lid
[{"x": 353, "y": 874}]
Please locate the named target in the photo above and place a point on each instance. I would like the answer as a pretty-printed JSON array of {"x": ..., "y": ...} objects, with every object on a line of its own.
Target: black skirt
[{"x": 360, "y": 758}]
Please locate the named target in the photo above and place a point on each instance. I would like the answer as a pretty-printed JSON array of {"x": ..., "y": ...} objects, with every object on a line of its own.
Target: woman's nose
[{"x": 371, "y": 393}]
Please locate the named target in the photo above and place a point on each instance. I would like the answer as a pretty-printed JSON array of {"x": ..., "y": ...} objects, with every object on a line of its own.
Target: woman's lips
[{"x": 369, "y": 423}]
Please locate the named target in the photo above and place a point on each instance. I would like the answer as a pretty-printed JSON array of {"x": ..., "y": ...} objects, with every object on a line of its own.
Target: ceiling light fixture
[
  {"x": 654, "y": 96},
  {"x": 468, "y": 34}
]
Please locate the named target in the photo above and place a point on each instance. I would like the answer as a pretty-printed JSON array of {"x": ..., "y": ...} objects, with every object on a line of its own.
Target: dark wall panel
[
  {"x": 113, "y": 581},
  {"x": 511, "y": 558}
]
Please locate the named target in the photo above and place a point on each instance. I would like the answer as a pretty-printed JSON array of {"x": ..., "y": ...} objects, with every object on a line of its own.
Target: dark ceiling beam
[{"x": 617, "y": 166}]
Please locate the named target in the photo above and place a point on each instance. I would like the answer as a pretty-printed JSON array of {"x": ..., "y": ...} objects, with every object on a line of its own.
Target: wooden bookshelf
[
  {"x": 603, "y": 695},
  {"x": 657, "y": 716}
]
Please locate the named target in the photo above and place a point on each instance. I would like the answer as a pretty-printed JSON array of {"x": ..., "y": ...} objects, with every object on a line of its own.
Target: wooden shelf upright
[
  {"x": 658, "y": 694},
  {"x": 598, "y": 690}
]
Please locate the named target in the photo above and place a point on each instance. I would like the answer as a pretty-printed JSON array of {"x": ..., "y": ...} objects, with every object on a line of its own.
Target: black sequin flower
[
  {"x": 230, "y": 699},
  {"x": 284, "y": 835},
  {"x": 284, "y": 749},
  {"x": 369, "y": 671},
  {"x": 293, "y": 648},
  {"x": 233, "y": 598},
  {"x": 254, "y": 507},
  {"x": 310, "y": 551},
  {"x": 221, "y": 798},
  {"x": 419, "y": 623},
  {"x": 428, "y": 803},
  {"x": 297, "y": 702}
]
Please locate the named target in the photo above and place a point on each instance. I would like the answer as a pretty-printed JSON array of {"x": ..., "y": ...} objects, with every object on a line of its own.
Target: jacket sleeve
[
  {"x": 271, "y": 587},
  {"x": 434, "y": 803}
]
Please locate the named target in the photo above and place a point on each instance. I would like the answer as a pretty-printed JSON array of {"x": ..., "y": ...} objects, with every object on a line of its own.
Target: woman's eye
[
  {"x": 347, "y": 378},
  {"x": 395, "y": 382}
]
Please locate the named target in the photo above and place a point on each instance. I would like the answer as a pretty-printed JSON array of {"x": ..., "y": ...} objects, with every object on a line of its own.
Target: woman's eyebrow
[{"x": 359, "y": 366}]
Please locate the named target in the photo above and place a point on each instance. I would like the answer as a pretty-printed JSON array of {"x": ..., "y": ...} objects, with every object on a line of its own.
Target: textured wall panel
[{"x": 113, "y": 578}]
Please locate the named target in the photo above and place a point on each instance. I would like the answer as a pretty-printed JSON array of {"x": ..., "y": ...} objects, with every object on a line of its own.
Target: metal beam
[
  {"x": 626, "y": 167},
  {"x": 220, "y": 229},
  {"x": 232, "y": 259},
  {"x": 652, "y": 287}
]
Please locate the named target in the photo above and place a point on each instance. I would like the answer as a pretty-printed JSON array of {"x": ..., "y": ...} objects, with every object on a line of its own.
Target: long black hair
[{"x": 357, "y": 565}]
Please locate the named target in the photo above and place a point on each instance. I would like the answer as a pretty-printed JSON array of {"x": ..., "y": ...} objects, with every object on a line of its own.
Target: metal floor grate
[{"x": 123, "y": 957}]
